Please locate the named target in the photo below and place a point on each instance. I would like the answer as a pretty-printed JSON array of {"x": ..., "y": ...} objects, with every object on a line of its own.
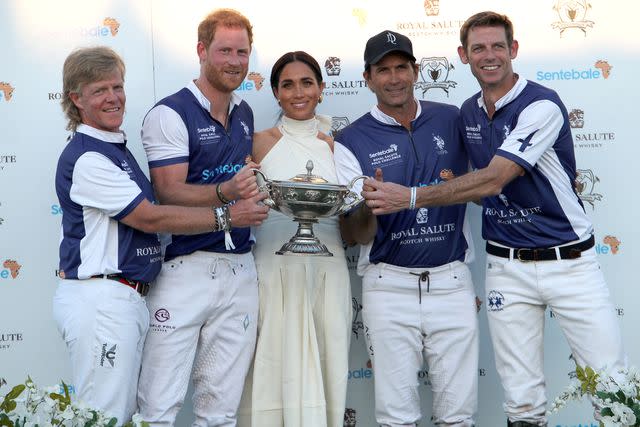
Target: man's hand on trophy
[
  {"x": 249, "y": 212},
  {"x": 243, "y": 185},
  {"x": 385, "y": 197}
]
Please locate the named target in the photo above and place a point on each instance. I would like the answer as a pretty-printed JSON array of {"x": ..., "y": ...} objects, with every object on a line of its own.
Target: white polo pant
[
  {"x": 517, "y": 295},
  {"x": 203, "y": 309},
  {"x": 409, "y": 322},
  {"x": 104, "y": 324}
]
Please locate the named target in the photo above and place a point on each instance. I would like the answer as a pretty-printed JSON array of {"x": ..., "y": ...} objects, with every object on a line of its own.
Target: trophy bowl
[{"x": 305, "y": 198}]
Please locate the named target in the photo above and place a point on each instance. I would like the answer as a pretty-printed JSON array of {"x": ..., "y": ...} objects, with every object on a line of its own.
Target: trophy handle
[
  {"x": 356, "y": 199},
  {"x": 263, "y": 187}
]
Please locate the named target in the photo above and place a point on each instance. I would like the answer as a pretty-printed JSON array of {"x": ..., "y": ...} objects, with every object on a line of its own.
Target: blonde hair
[{"x": 83, "y": 66}]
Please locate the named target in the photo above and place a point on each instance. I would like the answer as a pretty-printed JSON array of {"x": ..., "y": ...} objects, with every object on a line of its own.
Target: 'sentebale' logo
[
  {"x": 12, "y": 268},
  {"x": 613, "y": 242},
  {"x": 572, "y": 14},
  {"x": 6, "y": 91},
  {"x": 257, "y": 79},
  {"x": 604, "y": 67},
  {"x": 112, "y": 24}
]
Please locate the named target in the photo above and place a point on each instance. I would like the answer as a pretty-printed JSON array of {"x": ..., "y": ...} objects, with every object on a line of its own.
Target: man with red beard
[{"x": 204, "y": 305}]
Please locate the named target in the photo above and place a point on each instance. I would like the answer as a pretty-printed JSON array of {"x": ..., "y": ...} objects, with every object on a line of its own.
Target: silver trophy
[{"x": 305, "y": 198}]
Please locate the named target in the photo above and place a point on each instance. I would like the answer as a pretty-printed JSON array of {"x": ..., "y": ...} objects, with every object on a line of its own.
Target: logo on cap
[{"x": 391, "y": 38}]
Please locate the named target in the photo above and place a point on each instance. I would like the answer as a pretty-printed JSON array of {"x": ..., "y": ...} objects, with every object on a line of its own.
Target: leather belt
[
  {"x": 542, "y": 254},
  {"x": 140, "y": 287}
]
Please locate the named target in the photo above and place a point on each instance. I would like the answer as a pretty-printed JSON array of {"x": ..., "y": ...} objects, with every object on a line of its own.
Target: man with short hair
[
  {"x": 539, "y": 240},
  {"x": 204, "y": 305},
  {"x": 417, "y": 295},
  {"x": 109, "y": 252}
]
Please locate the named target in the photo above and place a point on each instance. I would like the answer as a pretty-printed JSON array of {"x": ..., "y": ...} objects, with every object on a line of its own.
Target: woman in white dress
[{"x": 299, "y": 376}]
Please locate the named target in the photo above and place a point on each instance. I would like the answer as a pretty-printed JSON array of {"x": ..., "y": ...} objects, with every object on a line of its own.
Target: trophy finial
[{"x": 309, "y": 167}]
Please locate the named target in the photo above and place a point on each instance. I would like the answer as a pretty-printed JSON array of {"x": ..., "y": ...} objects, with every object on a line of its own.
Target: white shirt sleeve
[
  {"x": 537, "y": 130},
  {"x": 165, "y": 137},
  {"x": 347, "y": 166},
  {"x": 99, "y": 184}
]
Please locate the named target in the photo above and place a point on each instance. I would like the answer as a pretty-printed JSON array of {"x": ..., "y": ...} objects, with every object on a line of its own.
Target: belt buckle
[
  {"x": 142, "y": 288},
  {"x": 519, "y": 258}
]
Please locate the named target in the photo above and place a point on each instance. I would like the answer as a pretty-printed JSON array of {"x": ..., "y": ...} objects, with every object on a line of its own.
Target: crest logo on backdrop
[
  {"x": 572, "y": 14},
  {"x": 585, "y": 185},
  {"x": 332, "y": 66},
  {"x": 434, "y": 74}
]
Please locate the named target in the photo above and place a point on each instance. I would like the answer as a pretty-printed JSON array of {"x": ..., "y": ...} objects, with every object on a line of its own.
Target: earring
[
  {"x": 320, "y": 99},
  {"x": 278, "y": 101}
]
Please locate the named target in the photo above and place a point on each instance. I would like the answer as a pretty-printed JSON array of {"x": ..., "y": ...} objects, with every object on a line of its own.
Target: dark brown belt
[
  {"x": 140, "y": 287},
  {"x": 542, "y": 254}
]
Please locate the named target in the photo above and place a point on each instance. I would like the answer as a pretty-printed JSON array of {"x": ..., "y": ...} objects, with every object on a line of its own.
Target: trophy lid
[{"x": 309, "y": 177}]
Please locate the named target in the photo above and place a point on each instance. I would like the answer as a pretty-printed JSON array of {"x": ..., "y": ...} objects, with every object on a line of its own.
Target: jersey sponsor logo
[
  {"x": 153, "y": 252},
  {"x": 208, "y": 135},
  {"x": 422, "y": 217},
  {"x": 510, "y": 216},
  {"x": 473, "y": 134},
  {"x": 495, "y": 300},
  {"x": 207, "y": 174},
  {"x": 386, "y": 157},
  {"x": 572, "y": 14},
  {"x": 255, "y": 81},
  {"x": 108, "y": 355},
  {"x": 440, "y": 145},
  {"x": 356, "y": 322},
  {"x": 349, "y": 417},
  {"x": 332, "y": 66},
  {"x": 10, "y": 269},
  {"x": 601, "y": 69},
  {"x": 610, "y": 245},
  {"x": 586, "y": 186},
  {"x": 6, "y": 91},
  {"x": 423, "y": 234},
  {"x": 434, "y": 74}
]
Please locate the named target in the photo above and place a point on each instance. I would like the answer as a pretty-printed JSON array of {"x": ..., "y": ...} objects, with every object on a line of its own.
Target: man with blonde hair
[
  {"x": 204, "y": 306},
  {"x": 109, "y": 252}
]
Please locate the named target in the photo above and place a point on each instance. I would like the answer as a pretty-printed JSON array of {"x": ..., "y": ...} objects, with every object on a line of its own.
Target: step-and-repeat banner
[{"x": 587, "y": 50}]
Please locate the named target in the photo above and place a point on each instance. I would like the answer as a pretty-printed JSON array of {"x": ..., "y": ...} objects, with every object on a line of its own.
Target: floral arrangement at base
[
  {"x": 618, "y": 398},
  {"x": 27, "y": 405}
]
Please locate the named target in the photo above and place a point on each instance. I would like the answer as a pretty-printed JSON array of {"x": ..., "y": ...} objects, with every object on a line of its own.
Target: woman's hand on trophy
[{"x": 249, "y": 212}]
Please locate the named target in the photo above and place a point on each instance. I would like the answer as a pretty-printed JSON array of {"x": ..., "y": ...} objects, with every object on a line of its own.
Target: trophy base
[{"x": 304, "y": 242}]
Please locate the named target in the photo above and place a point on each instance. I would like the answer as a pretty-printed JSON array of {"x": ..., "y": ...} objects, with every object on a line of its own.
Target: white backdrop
[{"x": 589, "y": 60}]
